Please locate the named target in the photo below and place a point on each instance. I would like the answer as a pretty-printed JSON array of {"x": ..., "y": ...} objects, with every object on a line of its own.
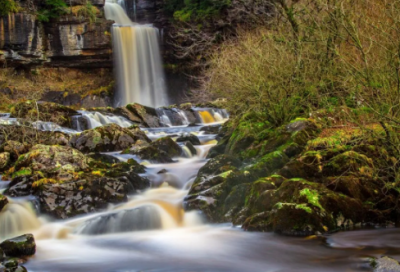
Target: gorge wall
[{"x": 70, "y": 41}]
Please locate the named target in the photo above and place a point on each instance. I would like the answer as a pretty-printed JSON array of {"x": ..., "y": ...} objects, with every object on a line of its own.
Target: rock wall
[{"x": 69, "y": 41}]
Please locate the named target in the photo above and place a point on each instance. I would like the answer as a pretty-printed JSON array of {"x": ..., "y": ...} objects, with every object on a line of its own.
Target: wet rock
[
  {"x": 213, "y": 129},
  {"x": 209, "y": 194},
  {"x": 161, "y": 150},
  {"x": 152, "y": 154},
  {"x": 385, "y": 264},
  {"x": 191, "y": 148},
  {"x": 3, "y": 202},
  {"x": 4, "y": 161},
  {"x": 169, "y": 146},
  {"x": 147, "y": 115},
  {"x": 44, "y": 111},
  {"x": 107, "y": 138},
  {"x": 20, "y": 246},
  {"x": 189, "y": 138},
  {"x": 105, "y": 158},
  {"x": 94, "y": 101},
  {"x": 219, "y": 164}
]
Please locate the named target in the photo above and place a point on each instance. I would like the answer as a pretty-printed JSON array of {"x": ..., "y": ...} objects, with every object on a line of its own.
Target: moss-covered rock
[
  {"x": 218, "y": 165},
  {"x": 167, "y": 145},
  {"x": 68, "y": 183},
  {"x": 161, "y": 150},
  {"x": 299, "y": 207},
  {"x": 107, "y": 138},
  {"x": 44, "y": 111},
  {"x": 147, "y": 115},
  {"x": 20, "y": 246}
]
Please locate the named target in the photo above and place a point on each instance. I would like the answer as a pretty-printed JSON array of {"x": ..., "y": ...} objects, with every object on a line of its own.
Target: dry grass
[{"x": 34, "y": 84}]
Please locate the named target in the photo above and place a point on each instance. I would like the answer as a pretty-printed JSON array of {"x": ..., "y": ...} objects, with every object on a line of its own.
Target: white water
[
  {"x": 140, "y": 78},
  {"x": 97, "y": 119}
]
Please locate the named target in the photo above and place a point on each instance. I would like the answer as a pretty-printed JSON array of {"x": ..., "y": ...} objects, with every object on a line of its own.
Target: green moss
[
  {"x": 22, "y": 172},
  {"x": 312, "y": 197}
]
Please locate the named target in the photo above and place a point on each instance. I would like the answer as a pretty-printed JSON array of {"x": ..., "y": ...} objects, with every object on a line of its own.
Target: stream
[{"x": 151, "y": 232}]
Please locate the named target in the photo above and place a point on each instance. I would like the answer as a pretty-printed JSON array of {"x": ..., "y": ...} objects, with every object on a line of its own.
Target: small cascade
[
  {"x": 172, "y": 117},
  {"x": 39, "y": 125},
  {"x": 211, "y": 115},
  {"x": 97, "y": 119},
  {"x": 141, "y": 218},
  {"x": 137, "y": 58},
  {"x": 156, "y": 209},
  {"x": 16, "y": 218},
  {"x": 50, "y": 126},
  {"x": 184, "y": 118}
]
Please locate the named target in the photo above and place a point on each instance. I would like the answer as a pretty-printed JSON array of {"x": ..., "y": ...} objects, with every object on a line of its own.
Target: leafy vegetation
[
  {"x": 8, "y": 6},
  {"x": 187, "y": 10},
  {"x": 86, "y": 11},
  {"x": 52, "y": 9}
]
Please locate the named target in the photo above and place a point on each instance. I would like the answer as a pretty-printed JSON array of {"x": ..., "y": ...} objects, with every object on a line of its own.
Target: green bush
[
  {"x": 52, "y": 9},
  {"x": 8, "y": 6}
]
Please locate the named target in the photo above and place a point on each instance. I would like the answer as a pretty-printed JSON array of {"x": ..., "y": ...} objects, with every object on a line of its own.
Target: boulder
[
  {"x": 189, "y": 138},
  {"x": 20, "y": 246},
  {"x": 161, "y": 150},
  {"x": 68, "y": 183},
  {"x": 107, "y": 138},
  {"x": 147, "y": 115}
]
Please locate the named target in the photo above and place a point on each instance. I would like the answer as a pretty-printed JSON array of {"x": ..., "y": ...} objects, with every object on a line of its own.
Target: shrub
[
  {"x": 52, "y": 9},
  {"x": 315, "y": 54}
]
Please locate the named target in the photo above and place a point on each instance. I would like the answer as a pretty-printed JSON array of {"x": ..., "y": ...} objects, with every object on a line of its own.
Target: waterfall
[
  {"x": 137, "y": 58},
  {"x": 16, "y": 218}
]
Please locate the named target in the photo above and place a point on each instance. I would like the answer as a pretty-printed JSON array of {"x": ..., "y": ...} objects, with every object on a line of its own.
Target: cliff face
[{"x": 69, "y": 41}]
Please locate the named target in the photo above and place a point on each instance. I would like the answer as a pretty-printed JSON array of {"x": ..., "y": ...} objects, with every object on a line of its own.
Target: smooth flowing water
[
  {"x": 139, "y": 73},
  {"x": 152, "y": 232}
]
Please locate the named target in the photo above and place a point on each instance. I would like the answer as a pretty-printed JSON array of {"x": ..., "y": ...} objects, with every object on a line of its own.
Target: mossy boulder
[
  {"x": 209, "y": 194},
  {"x": 107, "y": 138},
  {"x": 3, "y": 202},
  {"x": 300, "y": 207},
  {"x": 68, "y": 183},
  {"x": 44, "y": 111},
  {"x": 147, "y": 115},
  {"x": 20, "y": 246},
  {"x": 161, "y": 150},
  {"x": 268, "y": 164},
  {"x": 218, "y": 165},
  {"x": 169, "y": 146}
]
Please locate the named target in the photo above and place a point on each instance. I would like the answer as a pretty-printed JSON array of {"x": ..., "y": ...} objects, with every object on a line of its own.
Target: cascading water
[
  {"x": 16, "y": 218},
  {"x": 140, "y": 77}
]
